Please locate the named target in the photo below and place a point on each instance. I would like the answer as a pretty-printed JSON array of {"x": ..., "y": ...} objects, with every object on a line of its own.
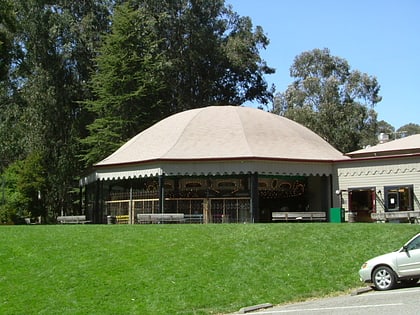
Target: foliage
[
  {"x": 128, "y": 83},
  {"x": 12, "y": 131},
  {"x": 384, "y": 127},
  {"x": 182, "y": 269},
  {"x": 214, "y": 54},
  {"x": 332, "y": 100},
  {"x": 23, "y": 186},
  {"x": 54, "y": 45},
  {"x": 7, "y": 27},
  {"x": 168, "y": 56},
  {"x": 408, "y": 130},
  {"x": 404, "y": 131},
  {"x": 9, "y": 204},
  {"x": 10, "y": 146},
  {"x": 64, "y": 76}
]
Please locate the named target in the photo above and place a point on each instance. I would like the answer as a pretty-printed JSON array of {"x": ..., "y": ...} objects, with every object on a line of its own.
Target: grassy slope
[{"x": 181, "y": 269}]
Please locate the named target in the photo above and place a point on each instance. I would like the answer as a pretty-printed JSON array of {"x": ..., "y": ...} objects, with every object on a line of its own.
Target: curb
[
  {"x": 361, "y": 291},
  {"x": 248, "y": 309}
]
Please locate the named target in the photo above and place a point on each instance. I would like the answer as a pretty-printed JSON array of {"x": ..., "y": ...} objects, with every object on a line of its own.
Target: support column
[
  {"x": 130, "y": 206},
  {"x": 255, "y": 198},
  {"x": 81, "y": 200},
  {"x": 326, "y": 193},
  {"x": 87, "y": 208},
  {"x": 206, "y": 207},
  {"x": 95, "y": 214},
  {"x": 161, "y": 193}
]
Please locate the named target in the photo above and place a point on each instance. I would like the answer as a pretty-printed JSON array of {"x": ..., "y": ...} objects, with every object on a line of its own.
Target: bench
[
  {"x": 72, "y": 219},
  {"x": 160, "y": 218},
  {"x": 193, "y": 218},
  {"x": 298, "y": 216},
  {"x": 410, "y": 216},
  {"x": 29, "y": 221},
  {"x": 122, "y": 219}
]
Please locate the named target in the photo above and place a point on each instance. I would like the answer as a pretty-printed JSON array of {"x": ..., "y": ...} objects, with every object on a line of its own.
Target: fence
[{"x": 195, "y": 210}]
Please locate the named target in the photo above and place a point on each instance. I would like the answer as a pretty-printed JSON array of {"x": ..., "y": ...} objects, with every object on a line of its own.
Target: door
[
  {"x": 408, "y": 259},
  {"x": 362, "y": 202}
]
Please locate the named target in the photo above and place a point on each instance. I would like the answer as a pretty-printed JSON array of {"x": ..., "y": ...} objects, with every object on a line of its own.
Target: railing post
[
  {"x": 161, "y": 193},
  {"x": 254, "y": 197}
]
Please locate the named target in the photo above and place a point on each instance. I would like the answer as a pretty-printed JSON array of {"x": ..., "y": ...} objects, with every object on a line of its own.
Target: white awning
[{"x": 211, "y": 168}]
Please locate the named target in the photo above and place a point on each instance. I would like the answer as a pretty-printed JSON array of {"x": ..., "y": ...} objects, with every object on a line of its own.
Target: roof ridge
[
  {"x": 251, "y": 152},
  {"x": 198, "y": 111}
]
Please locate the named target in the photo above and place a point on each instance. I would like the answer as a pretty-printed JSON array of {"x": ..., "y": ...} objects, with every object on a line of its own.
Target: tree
[
  {"x": 7, "y": 29},
  {"x": 384, "y": 128},
  {"x": 55, "y": 42},
  {"x": 403, "y": 131},
  {"x": 332, "y": 100},
  {"x": 24, "y": 182},
  {"x": 214, "y": 53},
  {"x": 162, "y": 57},
  {"x": 10, "y": 130},
  {"x": 408, "y": 130},
  {"x": 128, "y": 83}
]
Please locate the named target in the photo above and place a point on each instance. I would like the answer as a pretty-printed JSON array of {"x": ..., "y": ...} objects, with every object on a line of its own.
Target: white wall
[{"x": 378, "y": 173}]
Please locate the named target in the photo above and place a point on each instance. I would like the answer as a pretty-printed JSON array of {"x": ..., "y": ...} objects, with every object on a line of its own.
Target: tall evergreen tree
[
  {"x": 167, "y": 56},
  {"x": 214, "y": 53},
  {"x": 128, "y": 82},
  {"x": 7, "y": 29},
  {"x": 9, "y": 114},
  {"x": 55, "y": 43}
]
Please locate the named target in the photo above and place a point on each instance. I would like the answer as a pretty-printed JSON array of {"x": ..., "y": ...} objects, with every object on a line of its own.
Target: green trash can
[{"x": 336, "y": 215}]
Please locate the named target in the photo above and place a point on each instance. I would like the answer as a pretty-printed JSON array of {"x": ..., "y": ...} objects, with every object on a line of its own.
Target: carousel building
[{"x": 212, "y": 165}]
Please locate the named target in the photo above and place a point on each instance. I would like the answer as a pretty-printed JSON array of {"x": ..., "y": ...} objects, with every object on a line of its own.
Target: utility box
[{"x": 336, "y": 215}]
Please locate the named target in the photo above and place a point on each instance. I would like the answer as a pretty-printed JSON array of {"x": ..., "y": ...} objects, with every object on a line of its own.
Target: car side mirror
[{"x": 405, "y": 248}]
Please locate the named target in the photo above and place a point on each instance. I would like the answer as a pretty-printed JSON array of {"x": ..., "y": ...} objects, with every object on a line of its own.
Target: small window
[{"x": 399, "y": 198}]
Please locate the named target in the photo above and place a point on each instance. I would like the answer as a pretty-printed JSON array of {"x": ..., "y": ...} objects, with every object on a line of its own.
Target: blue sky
[{"x": 377, "y": 37}]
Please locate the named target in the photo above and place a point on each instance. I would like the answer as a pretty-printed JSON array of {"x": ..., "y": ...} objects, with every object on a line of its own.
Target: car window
[{"x": 414, "y": 244}]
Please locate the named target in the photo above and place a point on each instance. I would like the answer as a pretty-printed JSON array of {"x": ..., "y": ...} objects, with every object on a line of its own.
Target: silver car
[{"x": 401, "y": 266}]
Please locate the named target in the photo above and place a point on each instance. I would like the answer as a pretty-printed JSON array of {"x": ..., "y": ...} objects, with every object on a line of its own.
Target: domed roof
[{"x": 224, "y": 132}]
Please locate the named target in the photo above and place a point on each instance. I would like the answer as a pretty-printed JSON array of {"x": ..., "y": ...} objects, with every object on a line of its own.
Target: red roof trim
[
  {"x": 381, "y": 157},
  {"x": 213, "y": 160}
]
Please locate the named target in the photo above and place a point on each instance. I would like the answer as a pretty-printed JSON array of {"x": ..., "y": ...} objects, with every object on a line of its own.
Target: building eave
[{"x": 230, "y": 159}]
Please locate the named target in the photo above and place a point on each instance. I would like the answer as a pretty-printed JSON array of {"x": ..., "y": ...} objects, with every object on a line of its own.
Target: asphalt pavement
[{"x": 399, "y": 301}]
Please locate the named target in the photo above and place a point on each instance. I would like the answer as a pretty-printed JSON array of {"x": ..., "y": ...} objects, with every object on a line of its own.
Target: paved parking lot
[{"x": 400, "y": 301}]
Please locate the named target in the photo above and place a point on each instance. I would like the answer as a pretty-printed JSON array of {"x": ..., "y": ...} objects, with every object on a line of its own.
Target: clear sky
[{"x": 377, "y": 37}]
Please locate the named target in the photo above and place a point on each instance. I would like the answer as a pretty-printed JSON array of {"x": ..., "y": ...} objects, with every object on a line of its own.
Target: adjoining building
[
  {"x": 215, "y": 164},
  {"x": 382, "y": 183}
]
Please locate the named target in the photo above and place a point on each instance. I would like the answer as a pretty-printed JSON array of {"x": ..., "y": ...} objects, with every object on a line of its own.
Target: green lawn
[{"x": 182, "y": 269}]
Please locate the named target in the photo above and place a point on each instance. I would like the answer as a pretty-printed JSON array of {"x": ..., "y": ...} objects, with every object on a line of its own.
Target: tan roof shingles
[{"x": 224, "y": 132}]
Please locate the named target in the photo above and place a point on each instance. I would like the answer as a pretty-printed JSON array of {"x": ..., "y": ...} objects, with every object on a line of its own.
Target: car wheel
[{"x": 384, "y": 278}]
